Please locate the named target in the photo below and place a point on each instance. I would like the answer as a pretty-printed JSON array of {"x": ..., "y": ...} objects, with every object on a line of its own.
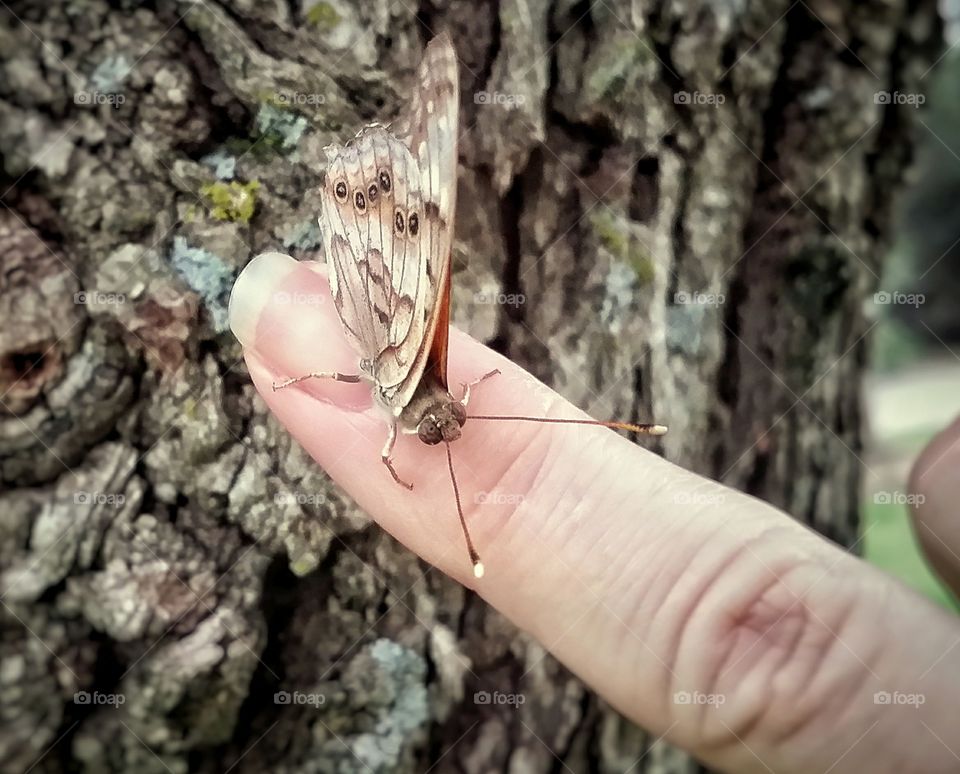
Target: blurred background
[{"x": 912, "y": 388}]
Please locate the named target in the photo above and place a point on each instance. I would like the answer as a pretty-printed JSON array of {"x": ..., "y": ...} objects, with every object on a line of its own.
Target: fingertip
[
  {"x": 281, "y": 309},
  {"x": 935, "y": 465},
  {"x": 253, "y": 292}
]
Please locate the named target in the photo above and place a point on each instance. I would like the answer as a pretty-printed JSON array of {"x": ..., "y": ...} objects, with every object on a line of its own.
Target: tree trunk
[{"x": 683, "y": 206}]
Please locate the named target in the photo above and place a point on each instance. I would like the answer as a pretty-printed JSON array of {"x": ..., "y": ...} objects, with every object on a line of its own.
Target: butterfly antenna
[
  {"x": 474, "y": 556},
  {"x": 643, "y": 429}
]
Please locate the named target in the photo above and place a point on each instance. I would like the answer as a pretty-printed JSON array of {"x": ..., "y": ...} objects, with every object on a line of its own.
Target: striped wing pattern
[
  {"x": 430, "y": 129},
  {"x": 388, "y": 205},
  {"x": 371, "y": 216}
]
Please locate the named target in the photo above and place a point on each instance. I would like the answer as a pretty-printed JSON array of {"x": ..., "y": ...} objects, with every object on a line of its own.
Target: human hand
[
  {"x": 726, "y": 627},
  {"x": 936, "y": 486}
]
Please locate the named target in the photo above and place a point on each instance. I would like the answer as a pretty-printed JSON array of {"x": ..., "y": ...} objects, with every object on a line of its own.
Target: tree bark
[{"x": 699, "y": 260}]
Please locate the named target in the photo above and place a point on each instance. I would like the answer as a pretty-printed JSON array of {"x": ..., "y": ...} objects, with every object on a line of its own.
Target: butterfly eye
[
  {"x": 385, "y": 183},
  {"x": 360, "y": 201},
  {"x": 372, "y": 193},
  {"x": 340, "y": 191},
  {"x": 429, "y": 431},
  {"x": 413, "y": 223},
  {"x": 398, "y": 222}
]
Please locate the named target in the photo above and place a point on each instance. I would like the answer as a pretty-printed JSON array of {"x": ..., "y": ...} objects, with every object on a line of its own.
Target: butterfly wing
[
  {"x": 430, "y": 129},
  {"x": 388, "y": 205},
  {"x": 371, "y": 213}
]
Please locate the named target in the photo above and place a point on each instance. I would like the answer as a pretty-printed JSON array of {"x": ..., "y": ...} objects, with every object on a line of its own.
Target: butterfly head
[{"x": 442, "y": 422}]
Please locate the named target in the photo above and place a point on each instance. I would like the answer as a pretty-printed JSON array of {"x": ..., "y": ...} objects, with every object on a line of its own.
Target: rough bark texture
[{"x": 148, "y": 553}]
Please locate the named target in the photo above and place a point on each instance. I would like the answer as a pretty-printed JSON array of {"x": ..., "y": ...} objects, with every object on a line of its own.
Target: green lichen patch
[
  {"x": 615, "y": 67},
  {"x": 323, "y": 16},
  {"x": 249, "y": 147},
  {"x": 612, "y": 236},
  {"x": 231, "y": 201},
  {"x": 615, "y": 237}
]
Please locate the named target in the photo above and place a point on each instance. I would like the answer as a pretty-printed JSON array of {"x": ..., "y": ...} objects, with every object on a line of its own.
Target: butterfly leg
[
  {"x": 336, "y": 376},
  {"x": 474, "y": 383},
  {"x": 386, "y": 455}
]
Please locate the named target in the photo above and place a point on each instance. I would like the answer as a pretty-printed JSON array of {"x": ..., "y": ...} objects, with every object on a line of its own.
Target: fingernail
[{"x": 253, "y": 290}]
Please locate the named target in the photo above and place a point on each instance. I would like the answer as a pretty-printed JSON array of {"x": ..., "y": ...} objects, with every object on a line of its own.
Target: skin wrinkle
[
  {"x": 527, "y": 465},
  {"x": 612, "y": 555},
  {"x": 746, "y": 594},
  {"x": 548, "y": 489},
  {"x": 688, "y": 613},
  {"x": 801, "y": 667},
  {"x": 680, "y": 569},
  {"x": 777, "y": 617},
  {"x": 818, "y": 722},
  {"x": 627, "y": 621},
  {"x": 651, "y": 588},
  {"x": 535, "y": 464},
  {"x": 537, "y": 435},
  {"x": 577, "y": 521},
  {"x": 802, "y": 721},
  {"x": 646, "y": 623}
]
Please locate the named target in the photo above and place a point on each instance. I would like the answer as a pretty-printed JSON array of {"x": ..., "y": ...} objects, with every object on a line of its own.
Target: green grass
[{"x": 891, "y": 545}]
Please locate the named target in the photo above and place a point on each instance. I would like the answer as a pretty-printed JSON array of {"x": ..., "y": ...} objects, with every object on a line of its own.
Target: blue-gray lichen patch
[
  {"x": 281, "y": 129},
  {"x": 207, "y": 275},
  {"x": 223, "y": 164},
  {"x": 110, "y": 74},
  {"x": 387, "y": 681},
  {"x": 304, "y": 235}
]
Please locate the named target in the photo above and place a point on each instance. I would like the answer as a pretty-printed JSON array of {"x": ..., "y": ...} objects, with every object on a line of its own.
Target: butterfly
[{"x": 387, "y": 215}]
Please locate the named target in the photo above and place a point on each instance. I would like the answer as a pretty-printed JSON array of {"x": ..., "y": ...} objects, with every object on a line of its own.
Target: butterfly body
[{"x": 433, "y": 413}]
